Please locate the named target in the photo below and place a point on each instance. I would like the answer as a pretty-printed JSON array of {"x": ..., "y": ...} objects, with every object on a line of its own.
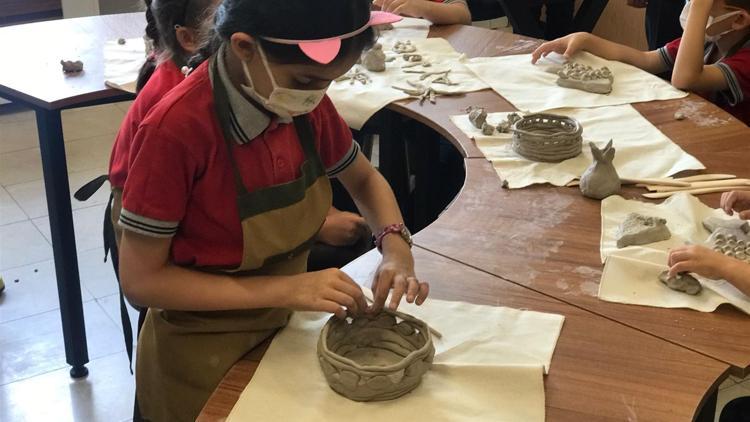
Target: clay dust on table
[{"x": 699, "y": 113}]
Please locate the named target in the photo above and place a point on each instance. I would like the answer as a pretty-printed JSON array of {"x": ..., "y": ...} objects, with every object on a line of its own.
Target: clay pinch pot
[
  {"x": 547, "y": 138},
  {"x": 375, "y": 358}
]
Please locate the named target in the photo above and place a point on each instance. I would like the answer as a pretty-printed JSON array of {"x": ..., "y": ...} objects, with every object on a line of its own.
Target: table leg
[{"x": 49, "y": 125}]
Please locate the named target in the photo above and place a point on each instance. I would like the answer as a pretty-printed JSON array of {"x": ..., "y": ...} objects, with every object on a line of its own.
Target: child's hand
[
  {"x": 736, "y": 201},
  {"x": 402, "y": 7},
  {"x": 329, "y": 290},
  {"x": 699, "y": 260},
  {"x": 567, "y": 46},
  {"x": 396, "y": 272},
  {"x": 343, "y": 228}
]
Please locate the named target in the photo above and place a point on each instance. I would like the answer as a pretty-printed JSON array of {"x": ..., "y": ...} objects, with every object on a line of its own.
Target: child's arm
[
  {"x": 149, "y": 279},
  {"x": 375, "y": 199},
  {"x": 690, "y": 73},
  {"x": 650, "y": 61},
  {"x": 710, "y": 264},
  {"x": 435, "y": 12}
]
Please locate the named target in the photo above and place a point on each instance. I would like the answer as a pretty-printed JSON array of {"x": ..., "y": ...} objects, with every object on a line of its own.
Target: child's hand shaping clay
[
  {"x": 699, "y": 260},
  {"x": 736, "y": 201},
  {"x": 567, "y": 46},
  {"x": 343, "y": 228},
  {"x": 329, "y": 290}
]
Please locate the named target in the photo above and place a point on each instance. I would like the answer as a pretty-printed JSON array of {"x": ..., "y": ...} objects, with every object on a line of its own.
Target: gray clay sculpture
[
  {"x": 404, "y": 47},
  {"x": 69, "y": 66},
  {"x": 374, "y": 358},
  {"x": 487, "y": 129},
  {"x": 585, "y": 78},
  {"x": 600, "y": 180},
  {"x": 683, "y": 282},
  {"x": 545, "y": 137},
  {"x": 639, "y": 229},
  {"x": 477, "y": 117},
  {"x": 730, "y": 245},
  {"x": 374, "y": 59},
  {"x": 714, "y": 223}
]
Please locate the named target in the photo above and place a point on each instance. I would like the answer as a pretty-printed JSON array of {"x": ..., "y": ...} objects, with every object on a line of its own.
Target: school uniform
[
  {"x": 165, "y": 77},
  {"x": 736, "y": 70},
  {"x": 238, "y": 192}
]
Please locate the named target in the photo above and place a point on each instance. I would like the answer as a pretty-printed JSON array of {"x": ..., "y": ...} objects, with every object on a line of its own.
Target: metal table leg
[{"x": 55, "y": 169}]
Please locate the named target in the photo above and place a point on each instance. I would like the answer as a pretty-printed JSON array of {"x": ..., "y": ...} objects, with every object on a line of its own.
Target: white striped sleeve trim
[
  {"x": 345, "y": 162},
  {"x": 666, "y": 57},
  {"x": 147, "y": 226},
  {"x": 734, "y": 96}
]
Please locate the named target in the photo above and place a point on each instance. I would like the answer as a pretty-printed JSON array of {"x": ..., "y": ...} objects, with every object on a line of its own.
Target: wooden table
[
  {"x": 538, "y": 248},
  {"x": 31, "y": 75}
]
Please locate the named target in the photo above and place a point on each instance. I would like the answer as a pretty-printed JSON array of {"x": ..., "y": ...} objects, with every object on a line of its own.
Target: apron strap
[{"x": 89, "y": 189}]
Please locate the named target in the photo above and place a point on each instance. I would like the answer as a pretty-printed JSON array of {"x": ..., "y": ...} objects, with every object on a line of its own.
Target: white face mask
[
  {"x": 284, "y": 102},
  {"x": 711, "y": 21}
]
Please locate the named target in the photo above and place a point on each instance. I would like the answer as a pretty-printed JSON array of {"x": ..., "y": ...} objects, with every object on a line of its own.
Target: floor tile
[
  {"x": 10, "y": 212},
  {"x": 21, "y": 244},
  {"x": 33, "y": 346},
  {"x": 90, "y": 153},
  {"x": 33, "y": 200},
  {"x": 19, "y": 135},
  {"x": 111, "y": 305},
  {"x": 34, "y": 292},
  {"x": 106, "y": 395},
  {"x": 87, "y": 122},
  {"x": 87, "y": 223},
  {"x": 124, "y": 106},
  {"x": 728, "y": 394},
  {"x": 17, "y": 116},
  {"x": 20, "y": 166},
  {"x": 97, "y": 276}
]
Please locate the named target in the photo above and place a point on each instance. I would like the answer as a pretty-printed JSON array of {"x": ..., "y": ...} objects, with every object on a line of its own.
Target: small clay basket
[
  {"x": 375, "y": 358},
  {"x": 547, "y": 137}
]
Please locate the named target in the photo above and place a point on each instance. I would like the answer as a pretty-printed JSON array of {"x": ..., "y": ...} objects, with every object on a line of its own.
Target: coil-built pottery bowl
[
  {"x": 373, "y": 358},
  {"x": 547, "y": 138}
]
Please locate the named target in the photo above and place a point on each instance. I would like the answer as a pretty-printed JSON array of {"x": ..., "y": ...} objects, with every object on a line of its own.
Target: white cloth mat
[
  {"x": 488, "y": 366},
  {"x": 356, "y": 103},
  {"x": 643, "y": 151},
  {"x": 530, "y": 88},
  {"x": 406, "y": 29},
  {"x": 123, "y": 62},
  {"x": 631, "y": 274}
]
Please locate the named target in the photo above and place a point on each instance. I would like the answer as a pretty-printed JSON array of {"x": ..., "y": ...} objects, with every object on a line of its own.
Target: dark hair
[
  {"x": 290, "y": 19},
  {"x": 161, "y": 18},
  {"x": 743, "y": 4}
]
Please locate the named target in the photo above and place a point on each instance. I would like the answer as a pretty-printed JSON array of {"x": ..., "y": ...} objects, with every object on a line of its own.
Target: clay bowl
[
  {"x": 375, "y": 358},
  {"x": 547, "y": 137}
]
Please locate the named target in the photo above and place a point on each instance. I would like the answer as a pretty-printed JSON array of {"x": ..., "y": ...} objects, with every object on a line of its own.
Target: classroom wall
[
  {"x": 623, "y": 24},
  {"x": 119, "y": 6}
]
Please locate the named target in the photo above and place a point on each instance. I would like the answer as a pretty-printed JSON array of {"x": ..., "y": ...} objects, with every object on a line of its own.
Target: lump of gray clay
[
  {"x": 374, "y": 59},
  {"x": 478, "y": 117},
  {"x": 683, "y": 282},
  {"x": 600, "y": 180},
  {"x": 373, "y": 358},
  {"x": 487, "y": 129},
  {"x": 69, "y": 66},
  {"x": 585, "y": 78},
  {"x": 639, "y": 229},
  {"x": 715, "y": 223}
]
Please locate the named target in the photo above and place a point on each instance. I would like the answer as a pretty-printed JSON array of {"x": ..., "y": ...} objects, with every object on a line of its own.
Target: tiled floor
[{"x": 34, "y": 380}]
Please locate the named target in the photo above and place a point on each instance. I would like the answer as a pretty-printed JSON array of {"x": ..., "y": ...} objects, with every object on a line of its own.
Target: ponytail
[{"x": 152, "y": 34}]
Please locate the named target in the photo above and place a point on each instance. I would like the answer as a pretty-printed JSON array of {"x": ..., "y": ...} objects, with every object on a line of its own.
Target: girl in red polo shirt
[
  {"x": 442, "y": 12},
  {"x": 229, "y": 187}
]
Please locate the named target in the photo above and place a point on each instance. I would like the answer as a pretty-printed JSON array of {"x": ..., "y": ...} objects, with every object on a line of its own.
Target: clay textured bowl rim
[
  {"x": 424, "y": 330},
  {"x": 574, "y": 133}
]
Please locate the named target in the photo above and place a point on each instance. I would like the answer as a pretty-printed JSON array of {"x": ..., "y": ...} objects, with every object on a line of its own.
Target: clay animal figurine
[
  {"x": 600, "y": 180},
  {"x": 683, "y": 282},
  {"x": 640, "y": 229},
  {"x": 374, "y": 59},
  {"x": 477, "y": 116},
  {"x": 69, "y": 66},
  {"x": 487, "y": 129},
  {"x": 585, "y": 78}
]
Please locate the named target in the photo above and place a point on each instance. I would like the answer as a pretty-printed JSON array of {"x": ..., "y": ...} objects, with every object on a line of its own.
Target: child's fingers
[
  {"x": 727, "y": 201},
  {"x": 678, "y": 255},
  {"x": 680, "y": 267},
  {"x": 399, "y": 288},
  {"x": 745, "y": 215},
  {"x": 412, "y": 289},
  {"x": 424, "y": 290}
]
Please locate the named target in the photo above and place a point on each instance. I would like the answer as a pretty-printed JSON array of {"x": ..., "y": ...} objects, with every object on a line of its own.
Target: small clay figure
[
  {"x": 69, "y": 66},
  {"x": 585, "y": 78},
  {"x": 374, "y": 59},
  {"x": 714, "y": 223},
  {"x": 121, "y": 41},
  {"x": 600, "y": 180},
  {"x": 639, "y": 229},
  {"x": 355, "y": 75},
  {"x": 477, "y": 117},
  {"x": 678, "y": 115},
  {"x": 504, "y": 126},
  {"x": 403, "y": 47},
  {"x": 487, "y": 129},
  {"x": 683, "y": 282}
]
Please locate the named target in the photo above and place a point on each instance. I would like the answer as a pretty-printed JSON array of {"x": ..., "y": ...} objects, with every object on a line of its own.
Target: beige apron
[{"x": 182, "y": 356}]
